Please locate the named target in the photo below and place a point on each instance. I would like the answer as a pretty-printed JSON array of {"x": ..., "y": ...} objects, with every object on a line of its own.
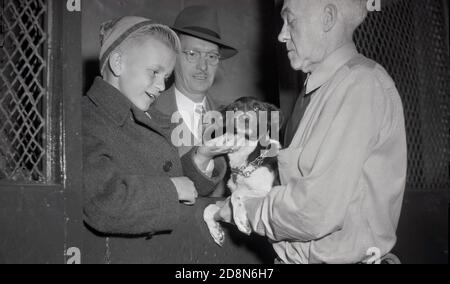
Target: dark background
[
  {"x": 409, "y": 38},
  {"x": 247, "y": 25},
  {"x": 49, "y": 58}
]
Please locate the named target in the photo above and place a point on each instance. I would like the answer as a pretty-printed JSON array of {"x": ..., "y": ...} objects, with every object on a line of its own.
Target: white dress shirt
[
  {"x": 187, "y": 109},
  {"x": 192, "y": 119}
]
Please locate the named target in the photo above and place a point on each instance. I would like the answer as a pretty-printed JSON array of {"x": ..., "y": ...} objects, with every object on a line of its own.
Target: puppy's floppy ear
[
  {"x": 223, "y": 111},
  {"x": 272, "y": 108},
  {"x": 282, "y": 121}
]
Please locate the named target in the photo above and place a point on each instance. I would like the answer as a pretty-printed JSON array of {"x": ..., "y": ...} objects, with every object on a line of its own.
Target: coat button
[{"x": 167, "y": 166}]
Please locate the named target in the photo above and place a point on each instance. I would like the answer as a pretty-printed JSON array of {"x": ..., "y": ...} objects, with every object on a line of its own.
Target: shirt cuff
[
  {"x": 209, "y": 169},
  {"x": 253, "y": 207}
]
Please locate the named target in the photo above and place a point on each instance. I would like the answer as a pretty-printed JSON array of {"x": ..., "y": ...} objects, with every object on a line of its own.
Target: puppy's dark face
[{"x": 248, "y": 113}]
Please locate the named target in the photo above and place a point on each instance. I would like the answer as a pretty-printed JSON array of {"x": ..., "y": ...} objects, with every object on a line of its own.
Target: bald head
[
  {"x": 315, "y": 28},
  {"x": 351, "y": 12}
]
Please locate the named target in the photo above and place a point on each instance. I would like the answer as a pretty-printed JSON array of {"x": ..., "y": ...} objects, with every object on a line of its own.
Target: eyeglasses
[{"x": 193, "y": 56}]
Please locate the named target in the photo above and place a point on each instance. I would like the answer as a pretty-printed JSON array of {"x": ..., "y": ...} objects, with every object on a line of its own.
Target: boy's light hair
[{"x": 156, "y": 31}]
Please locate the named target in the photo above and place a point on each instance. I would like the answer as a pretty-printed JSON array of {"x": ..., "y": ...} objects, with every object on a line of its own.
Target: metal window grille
[
  {"x": 2, "y": 28},
  {"x": 23, "y": 92},
  {"x": 409, "y": 39}
]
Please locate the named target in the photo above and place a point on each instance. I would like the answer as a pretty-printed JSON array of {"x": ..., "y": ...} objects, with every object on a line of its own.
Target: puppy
[{"x": 254, "y": 166}]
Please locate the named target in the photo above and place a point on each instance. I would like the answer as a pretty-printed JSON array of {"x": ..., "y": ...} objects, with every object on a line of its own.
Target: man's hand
[
  {"x": 187, "y": 194},
  {"x": 225, "y": 213},
  {"x": 219, "y": 146}
]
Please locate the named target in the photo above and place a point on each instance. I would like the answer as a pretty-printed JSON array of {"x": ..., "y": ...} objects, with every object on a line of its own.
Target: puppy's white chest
[
  {"x": 260, "y": 181},
  {"x": 258, "y": 184},
  {"x": 249, "y": 177},
  {"x": 239, "y": 158}
]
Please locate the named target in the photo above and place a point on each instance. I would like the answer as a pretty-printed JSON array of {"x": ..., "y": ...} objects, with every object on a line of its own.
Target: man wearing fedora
[{"x": 202, "y": 49}]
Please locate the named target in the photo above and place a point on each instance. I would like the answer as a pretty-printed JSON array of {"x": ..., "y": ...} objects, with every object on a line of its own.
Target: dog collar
[{"x": 247, "y": 170}]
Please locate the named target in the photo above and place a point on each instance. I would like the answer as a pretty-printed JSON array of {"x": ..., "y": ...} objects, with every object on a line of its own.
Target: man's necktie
[
  {"x": 200, "y": 113},
  {"x": 301, "y": 105}
]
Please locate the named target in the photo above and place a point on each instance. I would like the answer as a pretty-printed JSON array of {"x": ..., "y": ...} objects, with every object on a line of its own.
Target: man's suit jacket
[{"x": 167, "y": 104}]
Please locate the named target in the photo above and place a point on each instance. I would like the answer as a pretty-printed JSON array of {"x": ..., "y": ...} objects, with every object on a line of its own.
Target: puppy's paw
[
  {"x": 217, "y": 233},
  {"x": 232, "y": 183},
  {"x": 240, "y": 214},
  {"x": 215, "y": 230}
]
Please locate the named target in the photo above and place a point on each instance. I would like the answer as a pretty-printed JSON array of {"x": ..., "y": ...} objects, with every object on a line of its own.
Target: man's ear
[
  {"x": 115, "y": 63},
  {"x": 329, "y": 19}
]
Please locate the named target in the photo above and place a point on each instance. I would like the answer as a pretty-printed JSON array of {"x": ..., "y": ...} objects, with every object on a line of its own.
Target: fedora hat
[{"x": 203, "y": 22}]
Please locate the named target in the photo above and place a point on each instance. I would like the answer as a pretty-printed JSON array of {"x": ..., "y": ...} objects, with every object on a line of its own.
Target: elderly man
[
  {"x": 135, "y": 184},
  {"x": 202, "y": 49},
  {"x": 343, "y": 174}
]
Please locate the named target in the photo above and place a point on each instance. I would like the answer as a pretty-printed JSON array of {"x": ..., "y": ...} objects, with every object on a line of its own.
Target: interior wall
[{"x": 246, "y": 25}]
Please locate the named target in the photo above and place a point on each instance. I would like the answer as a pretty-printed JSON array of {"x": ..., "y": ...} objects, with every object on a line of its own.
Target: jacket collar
[
  {"x": 166, "y": 102},
  {"x": 112, "y": 100},
  {"x": 330, "y": 66},
  {"x": 120, "y": 109}
]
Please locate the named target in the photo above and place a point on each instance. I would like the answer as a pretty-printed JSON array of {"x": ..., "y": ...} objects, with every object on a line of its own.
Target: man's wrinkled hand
[{"x": 225, "y": 213}]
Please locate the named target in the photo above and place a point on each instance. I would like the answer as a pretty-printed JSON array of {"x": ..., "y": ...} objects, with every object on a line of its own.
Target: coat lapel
[
  {"x": 166, "y": 102},
  {"x": 167, "y": 105},
  {"x": 153, "y": 120}
]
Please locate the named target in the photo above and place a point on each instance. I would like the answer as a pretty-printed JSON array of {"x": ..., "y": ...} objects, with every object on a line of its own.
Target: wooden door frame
[
  {"x": 71, "y": 85},
  {"x": 44, "y": 221}
]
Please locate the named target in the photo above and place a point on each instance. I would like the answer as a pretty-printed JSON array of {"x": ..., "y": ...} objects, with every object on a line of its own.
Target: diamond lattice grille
[
  {"x": 23, "y": 91},
  {"x": 408, "y": 39}
]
